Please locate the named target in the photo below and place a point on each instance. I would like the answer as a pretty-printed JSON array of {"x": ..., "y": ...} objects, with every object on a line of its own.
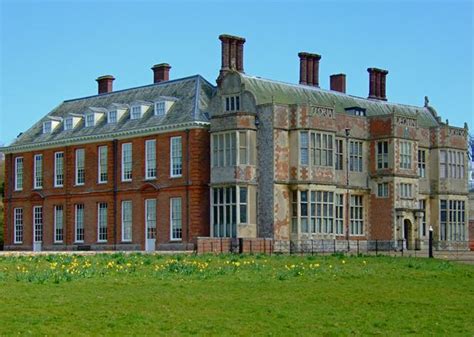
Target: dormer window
[
  {"x": 68, "y": 124},
  {"x": 160, "y": 108},
  {"x": 115, "y": 112},
  {"x": 90, "y": 120},
  {"x": 71, "y": 122},
  {"x": 356, "y": 111},
  {"x": 232, "y": 103},
  {"x": 112, "y": 116},
  {"x": 136, "y": 112},
  {"x": 47, "y": 126}
]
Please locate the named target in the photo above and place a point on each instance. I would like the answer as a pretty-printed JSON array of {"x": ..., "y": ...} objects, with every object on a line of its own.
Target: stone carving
[
  {"x": 405, "y": 121},
  {"x": 457, "y": 132},
  {"x": 322, "y": 111}
]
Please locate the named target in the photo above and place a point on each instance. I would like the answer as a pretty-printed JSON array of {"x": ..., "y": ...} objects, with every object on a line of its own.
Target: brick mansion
[{"x": 158, "y": 166}]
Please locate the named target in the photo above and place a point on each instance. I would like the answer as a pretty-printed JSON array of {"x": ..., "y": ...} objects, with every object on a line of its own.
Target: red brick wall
[
  {"x": 191, "y": 187},
  {"x": 380, "y": 216},
  {"x": 225, "y": 245}
]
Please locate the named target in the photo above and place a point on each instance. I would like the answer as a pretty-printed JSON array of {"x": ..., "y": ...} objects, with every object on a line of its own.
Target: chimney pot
[
  {"x": 309, "y": 68},
  {"x": 105, "y": 84},
  {"x": 338, "y": 82},
  {"x": 161, "y": 72}
]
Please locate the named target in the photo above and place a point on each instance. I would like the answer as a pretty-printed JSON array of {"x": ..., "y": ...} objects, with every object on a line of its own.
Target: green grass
[{"x": 234, "y": 295}]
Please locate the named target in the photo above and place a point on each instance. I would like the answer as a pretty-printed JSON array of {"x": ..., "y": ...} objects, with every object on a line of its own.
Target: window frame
[
  {"x": 339, "y": 154},
  {"x": 134, "y": 109},
  {"x": 356, "y": 222},
  {"x": 176, "y": 160},
  {"x": 174, "y": 220},
  {"x": 102, "y": 164},
  {"x": 422, "y": 163},
  {"x": 382, "y": 154},
  {"x": 111, "y": 120},
  {"x": 19, "y": 173},
  {"x": 406, "y": 148},
  {"x": 38, "y": 224},
  {"x": 38, "y": 171},
  {"x": 150, "y": 231},
  {"x": 89, "y": 120},
  {"x": 150, "y": 163},
  {"x": 232, "y": 103},
  {"x": 56, "y": 173},
  {"x": 160, "y": 108},
  {"x": 356, "y": 157},
  {"x": 77, "y": 169},
  {"x": 126, "y": 222},
  {"x": 61, "y": 234},
  {"x": 304, "y": 148},
  {"x": 79, "y": 231},
  {"x": 383, "y": 190},
  {"x": 68, "y": 123},
  {"x": 47, "y": 127},
  {"x": 126, "y": 162},
  {"x": 18, "y": 225},
  {"x": 100, "y": 227}
]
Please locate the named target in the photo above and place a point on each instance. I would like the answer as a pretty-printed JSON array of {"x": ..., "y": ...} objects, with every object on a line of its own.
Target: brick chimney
[
  {"x": 161, "y": 72},
  {"x": 232, "y": 54},
  {"x": 377, "y": 83},
  {"x": 105, "y": 84},
  {"x": 309, "y": 69},
  {"x": 338, "y": 82}
]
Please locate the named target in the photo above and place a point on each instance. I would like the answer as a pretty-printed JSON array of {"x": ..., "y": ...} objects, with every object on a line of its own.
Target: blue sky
[{"x": 52, "y": 51}]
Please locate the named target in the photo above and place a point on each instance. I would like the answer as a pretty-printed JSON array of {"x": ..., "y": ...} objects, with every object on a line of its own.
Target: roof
[
  {"x": 192, "y": 97},
  {"x": 269, "y": 91}
]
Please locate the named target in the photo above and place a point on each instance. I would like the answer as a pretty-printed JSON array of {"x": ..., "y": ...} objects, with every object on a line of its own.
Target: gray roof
[
  {"x": 269, "y": 91},
  {"x": 192, "y": 96}
]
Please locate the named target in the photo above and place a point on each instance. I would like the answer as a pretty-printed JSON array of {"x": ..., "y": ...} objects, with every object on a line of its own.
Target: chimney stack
[
  {"x": 161, "y": 72},
  {"x": 232, "y": 54},
  {"x": 105, "y": 84},
  {"x": 309, "y": 69},
  {"x": 338, "y": 82},
  {"x": 377, "y": 83}
]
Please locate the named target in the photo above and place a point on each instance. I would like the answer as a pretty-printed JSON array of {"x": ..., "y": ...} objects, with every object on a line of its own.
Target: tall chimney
[
  {"x": 377, "y": 83},
  {"x": 232, "y": 54},
  {"x": 309, "y": 69},
  {"x": 161, "y": 72},
  {"x": 105, "y": 84},
  {"x": 338, "y": 82}
]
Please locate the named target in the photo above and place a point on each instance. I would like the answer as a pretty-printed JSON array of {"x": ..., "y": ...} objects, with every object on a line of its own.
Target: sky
[{"x": 51, "y": 51}]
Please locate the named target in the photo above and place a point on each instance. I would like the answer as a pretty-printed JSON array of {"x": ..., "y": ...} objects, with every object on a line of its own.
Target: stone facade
[{"x": 414, "y": 194}]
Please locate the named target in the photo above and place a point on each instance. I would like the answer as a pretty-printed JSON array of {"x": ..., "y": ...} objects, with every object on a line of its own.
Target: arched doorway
[{"x": 407, "y": 233}]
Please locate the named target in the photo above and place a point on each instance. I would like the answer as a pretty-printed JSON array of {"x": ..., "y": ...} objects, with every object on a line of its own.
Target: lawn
[{"x": 234, "y": 295}]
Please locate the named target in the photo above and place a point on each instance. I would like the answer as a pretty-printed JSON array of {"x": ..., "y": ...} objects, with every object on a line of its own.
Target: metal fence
[{"x": 374, "y": 247}]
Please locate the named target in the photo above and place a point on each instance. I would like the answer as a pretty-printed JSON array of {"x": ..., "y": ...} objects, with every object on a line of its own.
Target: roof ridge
[
  {"x": 312, "y": 88},
  {"x": 139, "y": 87},
  {"x": 197, "y": 89}
]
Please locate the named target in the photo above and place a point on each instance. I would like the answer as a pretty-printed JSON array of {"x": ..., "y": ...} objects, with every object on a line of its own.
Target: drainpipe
[
  {"x": 347, "y": 132},
  {"x": 65, "y": 184},
  {"x": 11, "y": 185},
  {"x": 115, "y": 159},
  {"x": 188, "y": 183}
]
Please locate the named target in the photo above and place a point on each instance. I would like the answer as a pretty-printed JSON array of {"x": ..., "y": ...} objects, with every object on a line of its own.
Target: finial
[{"x": 427, "y": 101}]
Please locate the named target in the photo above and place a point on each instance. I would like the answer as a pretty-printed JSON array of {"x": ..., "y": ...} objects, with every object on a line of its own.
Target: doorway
[
  {"x": 150, "y": 225},
  {"x": 407, "y": 228}
]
